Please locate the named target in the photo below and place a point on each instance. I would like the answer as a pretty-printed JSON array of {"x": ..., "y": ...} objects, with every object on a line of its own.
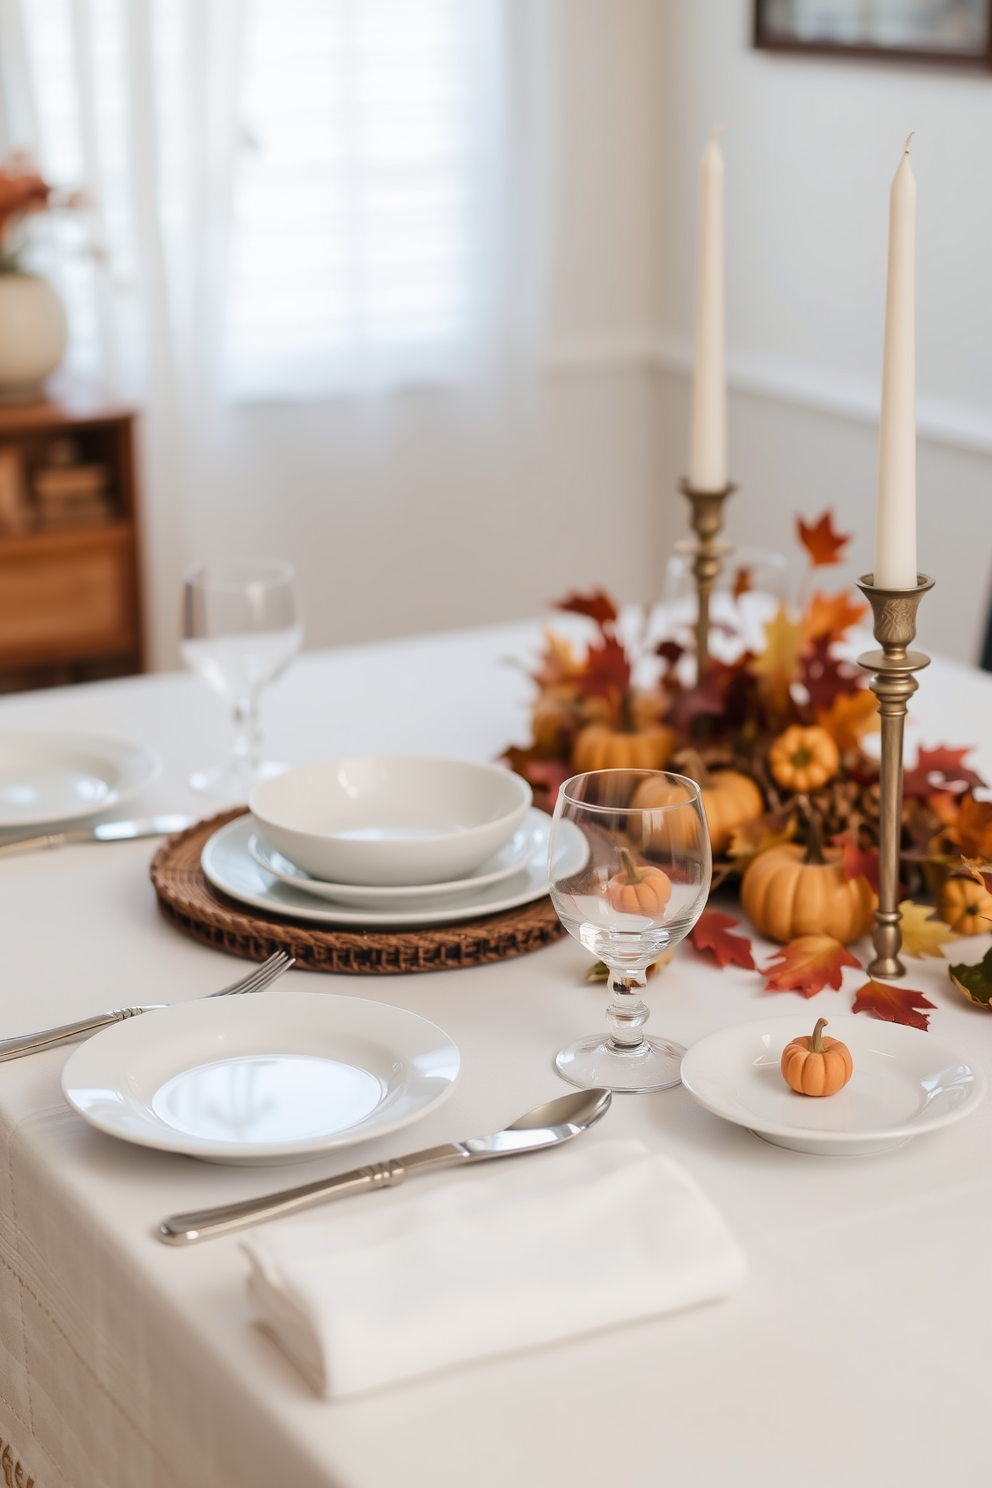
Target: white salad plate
[
  {"x": 47, "y": 778},
  {"x": 905, "y": 1082},
  {"x": 258, "y": 1080},
  {"x": 230, "y": 867},
  {"x": 530, "y": 838}
]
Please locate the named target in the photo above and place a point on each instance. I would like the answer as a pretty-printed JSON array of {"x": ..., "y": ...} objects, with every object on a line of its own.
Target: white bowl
[{"x": 390, "y": 819}]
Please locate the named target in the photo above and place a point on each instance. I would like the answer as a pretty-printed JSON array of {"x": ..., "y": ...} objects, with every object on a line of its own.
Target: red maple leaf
[
  {"x": 607, "y": 669},
  {"x": 824, "y": 676},
  {"x": 858, "y": 862},
  {"x": 710, "y": 934},
  {"x": 944, "y": 764},
  {"x": 551, "y": 774},
  {"x": 743, "y": 581},
  {"x": 597, "y": 605},
  {"x": 708, "y": 697},
  {"x": 893, "y": 1004},
  {"x": 808, "y": 964},
  {"x": 821, "y": 542}
]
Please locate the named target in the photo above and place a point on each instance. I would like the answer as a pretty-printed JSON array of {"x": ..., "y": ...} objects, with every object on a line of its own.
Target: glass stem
[
  {"x": 626, "y": 1013},
  {"x": 247, "y": 735}
]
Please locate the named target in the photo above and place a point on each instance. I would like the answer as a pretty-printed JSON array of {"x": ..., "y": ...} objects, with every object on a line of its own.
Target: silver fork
[{"x": 32, "y": 1043}]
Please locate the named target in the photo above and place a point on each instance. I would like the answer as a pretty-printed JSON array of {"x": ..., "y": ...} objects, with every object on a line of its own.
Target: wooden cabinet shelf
[{"x": 70, "y": 595}]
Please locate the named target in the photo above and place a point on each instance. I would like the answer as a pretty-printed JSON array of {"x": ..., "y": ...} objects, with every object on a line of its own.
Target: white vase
[{"x": 33, "y": 334}]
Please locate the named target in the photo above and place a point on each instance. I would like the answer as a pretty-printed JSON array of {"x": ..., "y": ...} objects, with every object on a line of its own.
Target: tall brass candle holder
[
  {"x": 893, "y": 684},
  {"x": 707, "y": 523}
]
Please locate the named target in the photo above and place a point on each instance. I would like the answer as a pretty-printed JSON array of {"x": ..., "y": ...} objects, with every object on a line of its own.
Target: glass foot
[
  {"x": 654, "y": 1064},
  {"x": 234, "y": 783}
]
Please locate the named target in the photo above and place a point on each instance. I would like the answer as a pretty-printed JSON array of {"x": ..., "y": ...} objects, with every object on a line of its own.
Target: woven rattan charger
[{"x": 195, "y": 906}]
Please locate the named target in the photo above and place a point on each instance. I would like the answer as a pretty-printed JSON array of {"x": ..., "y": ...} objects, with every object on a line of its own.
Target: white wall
[
  {"x": 426, "y": 510},
  {"x": 811, "y": 147}
]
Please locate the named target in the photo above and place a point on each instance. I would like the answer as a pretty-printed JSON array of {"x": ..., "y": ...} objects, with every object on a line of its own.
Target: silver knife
[
  {"x": 115, "y": 831},
  {"x": 546, "y": 1126}
]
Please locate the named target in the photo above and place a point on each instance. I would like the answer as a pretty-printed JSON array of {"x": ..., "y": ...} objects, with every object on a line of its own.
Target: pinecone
[{"x": 845, "y": 805}]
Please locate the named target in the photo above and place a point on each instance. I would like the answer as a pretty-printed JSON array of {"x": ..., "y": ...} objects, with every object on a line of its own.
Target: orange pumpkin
[
  {"x": 965, "y": 905},
  {"x": 729, "y": 799},
  {"x": 786, "y": 892},
  {"x": 600, "y": 747},
  {"x": 803, "y": 759},
  {"x": 817, "y": 1065},
  {"x": 639, "y": 888}
]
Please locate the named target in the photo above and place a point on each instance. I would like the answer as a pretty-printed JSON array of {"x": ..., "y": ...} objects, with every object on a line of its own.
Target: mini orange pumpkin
[
  {"x": 639, "y": 888},
  {"x": 965, "y": 905},
  {"x": 817, "y": 1065},
  {"x": 790, "y": 890},
  {"x": 599, "y": 747},
  {"x": 803, "y": 759},
  {"x": 729, "y": 798}
]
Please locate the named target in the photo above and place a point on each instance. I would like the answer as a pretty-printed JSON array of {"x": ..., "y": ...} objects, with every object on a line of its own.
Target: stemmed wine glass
[
  {"x": 241, "y": 628},
  {"x": 629, "y": 874}
]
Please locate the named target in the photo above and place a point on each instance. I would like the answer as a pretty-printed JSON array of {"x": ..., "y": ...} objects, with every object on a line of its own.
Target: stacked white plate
[
  {"x": 463, "y": 841},
  {"x": 241, "y": 863}
]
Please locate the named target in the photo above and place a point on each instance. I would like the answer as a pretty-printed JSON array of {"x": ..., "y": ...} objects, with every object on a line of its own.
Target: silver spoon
[{"x": 556, "y": 1121}]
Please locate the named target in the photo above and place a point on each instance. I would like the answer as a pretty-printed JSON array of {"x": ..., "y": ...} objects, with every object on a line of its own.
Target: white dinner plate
[
  {"x": 530, "y": 838},
  {"x": 905, "y": 1082},
  {"x": 230, "y": 867},
  {"x": 279, "y": 1077},
  {"x": 47, "y": 778}
]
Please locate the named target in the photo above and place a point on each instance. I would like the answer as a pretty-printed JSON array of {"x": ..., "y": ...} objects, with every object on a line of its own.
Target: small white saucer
[
  {"x": 230, "y": 867},
  {"x": 279, "y": 1077},
  {"x": 530, "y": 838},
  {"x": 50, "y": 778},
  {"x": 905, "y": 1082}
]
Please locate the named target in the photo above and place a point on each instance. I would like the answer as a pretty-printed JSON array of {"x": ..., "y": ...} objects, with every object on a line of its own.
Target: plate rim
[
  {"x": 96, "y": 742},
  {"x": 350, "y": 915},
  {"x": 188, "y": 1145},
  {"x": 318, "y": 888},
  {"x": 917, "y": 1127}
]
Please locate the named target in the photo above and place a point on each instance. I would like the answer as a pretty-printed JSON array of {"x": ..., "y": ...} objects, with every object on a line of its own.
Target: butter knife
[
  {"x": 115, "y": 831},
  {"x": 546, "y": 1126}
]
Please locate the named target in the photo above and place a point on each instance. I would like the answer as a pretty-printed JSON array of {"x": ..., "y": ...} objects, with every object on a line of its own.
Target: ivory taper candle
[
  {"x": 708, "y": 430},
  {"x": 895, "y": 516}
]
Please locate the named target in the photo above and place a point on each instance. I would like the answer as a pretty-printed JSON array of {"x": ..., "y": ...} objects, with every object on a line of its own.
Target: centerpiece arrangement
[{"x": 823, "y": 840}]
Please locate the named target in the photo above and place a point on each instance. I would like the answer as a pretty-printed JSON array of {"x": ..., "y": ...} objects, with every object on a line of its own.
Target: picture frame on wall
[{"x": 955, "y": 33}]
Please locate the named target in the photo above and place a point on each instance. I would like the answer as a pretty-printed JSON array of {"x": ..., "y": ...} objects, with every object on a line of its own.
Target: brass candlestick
[
  {"x": 893, "y": 684},
  {"x": 707, "y": 523}
]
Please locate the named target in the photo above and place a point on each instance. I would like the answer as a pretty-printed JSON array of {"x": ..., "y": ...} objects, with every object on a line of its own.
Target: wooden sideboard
[{"x": 70, "y": 591}]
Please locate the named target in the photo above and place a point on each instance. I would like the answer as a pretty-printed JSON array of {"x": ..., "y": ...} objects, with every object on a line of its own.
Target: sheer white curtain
[{"x": 289, "y": 199}]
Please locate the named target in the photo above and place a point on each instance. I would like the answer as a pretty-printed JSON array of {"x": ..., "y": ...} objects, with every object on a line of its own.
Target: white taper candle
[
  {"x": 895, "y": 516},
  {"x": 708, "y": 430}
]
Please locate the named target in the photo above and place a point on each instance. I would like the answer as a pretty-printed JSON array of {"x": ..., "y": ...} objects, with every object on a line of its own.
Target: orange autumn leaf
[
  {"x": 893, "y": 1004},
  {"x": 850, "y": 716},
  {"x": 709, "y": 933},
  {"x": 821, "y": 542},
  {"x": 808, "y": 964},
  {"x": 832, "y": 615},
  {"x": 972, "y": 831}
]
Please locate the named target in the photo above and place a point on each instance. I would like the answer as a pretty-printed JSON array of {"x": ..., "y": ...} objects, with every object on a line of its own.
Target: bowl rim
[{"x": 525, "y": 792}]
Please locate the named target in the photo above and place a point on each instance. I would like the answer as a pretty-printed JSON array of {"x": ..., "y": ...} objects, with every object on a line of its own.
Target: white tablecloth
[{"x": 858, "y": 1352}]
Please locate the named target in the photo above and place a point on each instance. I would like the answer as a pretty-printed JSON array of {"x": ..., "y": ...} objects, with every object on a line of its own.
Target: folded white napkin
[{"x": 514, "y": 1255}]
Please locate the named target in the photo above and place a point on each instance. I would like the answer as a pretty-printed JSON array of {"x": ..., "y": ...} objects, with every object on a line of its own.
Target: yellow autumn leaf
[
  {"x": 600, "y": 972},
  {"x": 922, "y": 935},
  {"x": 757, "y": 837},
  {"x": 778, "y": 663},
  {"x": 850, "y": 715}
]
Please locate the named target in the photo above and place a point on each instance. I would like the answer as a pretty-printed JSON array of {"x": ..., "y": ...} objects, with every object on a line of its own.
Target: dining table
[{"x": 858, "y": 1351}]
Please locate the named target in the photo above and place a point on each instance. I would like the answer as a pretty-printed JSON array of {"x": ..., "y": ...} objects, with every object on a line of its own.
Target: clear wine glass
[
  {"x": 629, "y": 873},
  {"x": 241, "y": 628}
]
